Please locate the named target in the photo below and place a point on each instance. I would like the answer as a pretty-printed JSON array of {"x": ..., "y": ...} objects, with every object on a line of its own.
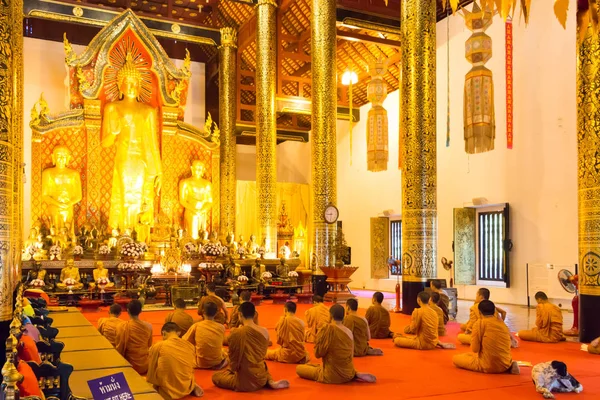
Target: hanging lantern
[
  {"x": 377, "y": 121},
  {"x": 480, "y": 126}
]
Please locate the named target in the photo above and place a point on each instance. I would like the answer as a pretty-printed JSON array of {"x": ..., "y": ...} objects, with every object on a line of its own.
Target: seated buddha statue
[
  {"x": 100, "y": 272},
  {"x": 233, "y": 269},
  {"x": 145, "y": 221},
  {"x": 70, "y": 271},
  {"x": 114, "y": 238},
  {"x": 252, "y": 246},
  {"x": 231, "y": 243},
  {"x": 35, "y": 243},
  {"x": 257, "y": 270},
  {"x": 195, "y": 195},
  {"x": 282, "y": 268},
  {"x": 203, "y": 238},
  {"x": 61, "y": 189},
  {"x": 37, "y": 273}
]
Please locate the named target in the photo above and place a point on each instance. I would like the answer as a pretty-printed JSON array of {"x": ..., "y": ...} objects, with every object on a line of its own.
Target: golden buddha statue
[
  {"x": 231, "y": 243},
  {"x": 61, "y": 189},
  {"x": 145, "y": 220},
  {"x": 70, "y": 271},
  {"x": 100, "y": 272},
  {"x": 195, "y": 195},
  {"x": 252, "y": 247},
  {"x": 132, "y": 127}
]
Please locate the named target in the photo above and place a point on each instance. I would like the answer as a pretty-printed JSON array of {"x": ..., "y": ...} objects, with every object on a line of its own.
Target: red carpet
[{"x": 410, "y": 374}]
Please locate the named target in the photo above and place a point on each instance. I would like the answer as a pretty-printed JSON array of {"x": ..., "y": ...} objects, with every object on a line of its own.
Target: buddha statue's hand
[{"x": 158, "y": 184}]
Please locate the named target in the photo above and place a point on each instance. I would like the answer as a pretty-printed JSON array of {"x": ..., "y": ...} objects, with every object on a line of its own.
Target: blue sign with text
[{"x": 111, "y": 387}]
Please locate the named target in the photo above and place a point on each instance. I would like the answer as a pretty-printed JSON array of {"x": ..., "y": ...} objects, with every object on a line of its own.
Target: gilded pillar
[
  {"x": 323, "y": 133},
  {"x": 418, "y": 130},
  {"x": 588, "y": 151},
  {"x": 227, "y": 117},
  {"x": 266, "y": 129},
  {"x": 11, "y": 153}
]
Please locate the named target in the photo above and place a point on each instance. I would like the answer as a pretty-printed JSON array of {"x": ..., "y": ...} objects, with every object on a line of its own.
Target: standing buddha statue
[{"x": 195, "y": 195}]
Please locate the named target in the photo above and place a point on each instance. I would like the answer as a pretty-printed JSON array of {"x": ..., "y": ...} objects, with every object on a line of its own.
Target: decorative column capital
[
  {"x": 267, "y": 2},
  {"x": 229, "y": 37}
]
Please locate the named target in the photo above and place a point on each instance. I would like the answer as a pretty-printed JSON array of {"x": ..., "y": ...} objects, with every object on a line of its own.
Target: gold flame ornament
[{"x": 377, "y": 120}]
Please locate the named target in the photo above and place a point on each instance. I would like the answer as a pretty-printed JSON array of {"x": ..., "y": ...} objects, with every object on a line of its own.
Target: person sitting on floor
[
  {"x": 548, "y": 323},
  {"x": 290, "y": 336},
  {"x": 247, "y": 371},
  {"x": 316, "y": 317},
  {"x": 433, "y": 303},
  {"x": 207, "y": 336},
  {"x": 424, "y": 325},
  {"x": 490, "y": 345},
  {"x": 235, "y": 321},
  {"x": 183, "y": 320},
  {"x": 378, "y": 318},
  {"x": 444, "y": 302},
  {"x": 221, "y": 316},
  {"x": 171, "y": 365},
  {"x": 360, "y": 331},
  {"x": 108, "y": 326},
  {"x": 134, "y": 338},
  {"x": 552, "y": 376},
  {"x": 335, "y": 345},
  {"x": 474, "y": 315}
]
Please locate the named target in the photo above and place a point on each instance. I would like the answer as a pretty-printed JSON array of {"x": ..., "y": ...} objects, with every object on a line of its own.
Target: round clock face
[{"x": 331, "y": 214}]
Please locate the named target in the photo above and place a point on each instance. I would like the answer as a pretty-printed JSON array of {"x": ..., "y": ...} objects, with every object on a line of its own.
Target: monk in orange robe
[
  {"x": 335, "y": 345},
  {"x": 424, "y": 325},
  {"x": 444, "y": 302},
  {"x": 134, "y": 338},
  {"x": 183, "y": 320},
  {"x": 475, "y": 315},
  {"x": 360, "y": 331},
  {"x": 28, "y": 385},
  {"x": 433, "y": 303},
  {"x": 490, "y": 345},
  {"x": 378, "y": 318},
  {"x": 235, "y": 320},
  {"x": 548, "y": 323},
  {"x": 247, "y": 371},
  {"x": 108, "y": 326},
  {"x": 221, "y": 316},
  {"x": 316, "y": 318},
  {"x": 290, "y": 336},
  {"x": 27, "y": 350},
  {"x": 207, "y": 338},
  {"x": 171, "y": 365},
  {"x": 594, "y": 346}
]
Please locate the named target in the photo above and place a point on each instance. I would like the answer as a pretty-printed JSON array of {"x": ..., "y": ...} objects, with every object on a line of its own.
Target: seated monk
[
  {"x": 360, "y": 331},
  {"x": 70, "y": 271},
  {"x": 235, "y": 320},
  {"x": 108, "y": 326},
  {"x": 316, "y": 317},
  {"x": 490, "y": 345},
  {"x": 27, "y": 350},
  {"x": 433, "y": 303},
  {"x": 171, "y": 365},
  {"x": 424, "y": 325},
  {"x": 290, "y": 336},
  {"x": 444, "y": 302},
  {"x": 247, "y": 371},
  {"x": 474, "y": 315},
  {"x": 378, "y": 318},
  {"x": 594, "y": 346},
  {"x": 335, "y": 345},
  {"x": 221, "y": 316},
  {"x": 548, "y": 323},
  {"x": 183, "y": 320},
  {"x": 28, "y": 385},
  {"x": 134, "y": 338},
  {"x": 207, "y": 337}
]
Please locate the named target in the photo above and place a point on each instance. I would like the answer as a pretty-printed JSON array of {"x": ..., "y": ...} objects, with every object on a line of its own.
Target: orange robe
[
  {"x": 440, "y": 313},
  {"x": 207, "y": 338},
  {"x": 361, "y": 333},
  {"x": 235, "y": 320},
  {"x": 473, "y": 317},
  {"x": 444, "y": 304},
  {"x": 27, "y": 350},
  {"x": 220, "y": 317},
  {"x": 171, "y": 368},
  {"x": 379, "y": 321},
  {"x": 316, "y": 318},
  {"x": 490, "y": 348},
  {"x": 594, "y": 349},
  {"x": 29, "y": 385},
  {"x": 335, "y": 345},
  {"x": 247, "y": 371},
  {"x": 548, "y": 325},
  {"x": 423, "y": 324},
  {"x": 183, "y": 320},
  {"x": 108, "y": 328},
  {"x": 290, "y": 336},
  {"x": 134, "y": 339}
]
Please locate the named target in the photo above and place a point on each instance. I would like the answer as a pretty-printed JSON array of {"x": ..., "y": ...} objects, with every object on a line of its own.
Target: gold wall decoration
[
  {"x": 266, "y": 128},
  {"x": 418, "y": 134},
  {"x": 377, "y": 120},
  {"x": 323, "y": 135},
  {"x": 380, "y": 247},
  {"x": 227, "y": 116},
  {"x": 465, "y": 240},
  {"x": 479, "y": 119}
]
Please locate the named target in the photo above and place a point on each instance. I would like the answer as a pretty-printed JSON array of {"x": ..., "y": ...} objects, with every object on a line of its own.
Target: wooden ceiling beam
[
  {"x": 357, "y": 37},
  {"x": 396, "y": 58}
]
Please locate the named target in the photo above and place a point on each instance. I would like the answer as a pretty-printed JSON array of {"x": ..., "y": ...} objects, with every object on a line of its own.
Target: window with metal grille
[
  {"x": 396, "y": 244},
  {"x": 491, "y": 246}
]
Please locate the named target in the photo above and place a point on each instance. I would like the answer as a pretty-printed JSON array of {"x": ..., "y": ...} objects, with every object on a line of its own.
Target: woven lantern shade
[
  {"x": 479, "y": 121},
  {"x": 377, "y": 121}
]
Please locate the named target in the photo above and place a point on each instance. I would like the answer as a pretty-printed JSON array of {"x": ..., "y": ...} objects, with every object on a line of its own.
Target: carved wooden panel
[
  {"x": 380, "y": 247},
  {"x": 465, "y": 240}
]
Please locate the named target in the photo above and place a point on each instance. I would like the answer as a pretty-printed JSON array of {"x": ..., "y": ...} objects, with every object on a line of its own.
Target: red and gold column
[{"x": 418, "y": 138}]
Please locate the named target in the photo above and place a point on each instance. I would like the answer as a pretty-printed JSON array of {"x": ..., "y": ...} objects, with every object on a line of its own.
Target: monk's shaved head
[
  {"x": 352, "y": 304},
  {"x": 424, "y": 297},
  {"x": 170, "y": 327},
  {"x": 487, "y": 307},
  {"x": 115, "y": 310},
  {"x": 337, "y": 312},
  {"x": 210, "y": 309},
  {"x": 436, "y": 284},
  {"x": 317, "y": 299},
  {"x": 378, "y": 297},
  {"x": 134, "y": 308},
  {"x": 541, "y": 296},
  {"x": 290, "y": 307},
  {"x": 248, "y": 310},
  {"x": 246, "y": 295},
  {"x": 435, "y": 297},
  {"x": 179, "y": 303},
  {"x": 484, "y": 292}
]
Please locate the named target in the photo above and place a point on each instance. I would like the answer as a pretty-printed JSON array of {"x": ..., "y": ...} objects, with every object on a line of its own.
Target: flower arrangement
[
  {"x": 143, "y": 246},
  {"x": 266, "y": 275},
  {"x": 292, "y": 274},
  {"x": 261, "y": 251},
  {"x": 70, "y": 282},
  {"x": 55, "y": 252},
  {"x": 37, "y": 283},
  {"x": 130, "y": 267},
  {"x": 102, "y": 281},
  {"x": 241, "y": 251},
  {"x": 190, "y": 248},
  {"x": 132, "y": 250},
  {"x": 77, "y": 250},
  {"x": 211, "y": 266},
  {"x": 212, "y": 250},
  {"x": 104, "y": 250},
  {"x": 242, "y": 279},
  {"x": 224, "y": 250}
]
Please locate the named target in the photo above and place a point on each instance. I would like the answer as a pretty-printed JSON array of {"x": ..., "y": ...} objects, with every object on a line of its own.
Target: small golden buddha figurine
[
  {"x": 195, "y": 195},
  {"x": 61, "y": 189},
  {"x": 114, "y": 238},
  {"x": 231, "y": 243},
  {"x": 132, "y": 127},
  {"x": 145, "y": 221},
  {"x": 252, "y": 246},
  {"x": 100, "y": 272},
  {"x": 203, "y": 239},
  {"x": 214, "y": 238},
  {"x": 70, "y": 271}
]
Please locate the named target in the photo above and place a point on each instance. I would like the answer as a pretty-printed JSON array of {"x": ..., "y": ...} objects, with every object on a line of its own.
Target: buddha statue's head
[
  {"x": 253, "y": 238},
  {"x": 69, "y": 263},
  {"x": 197, "y": 169},
  {"x": 129, "y": 79},
  {"x": 61, "y": 156},
  {"x": 99, "y": 265}
]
